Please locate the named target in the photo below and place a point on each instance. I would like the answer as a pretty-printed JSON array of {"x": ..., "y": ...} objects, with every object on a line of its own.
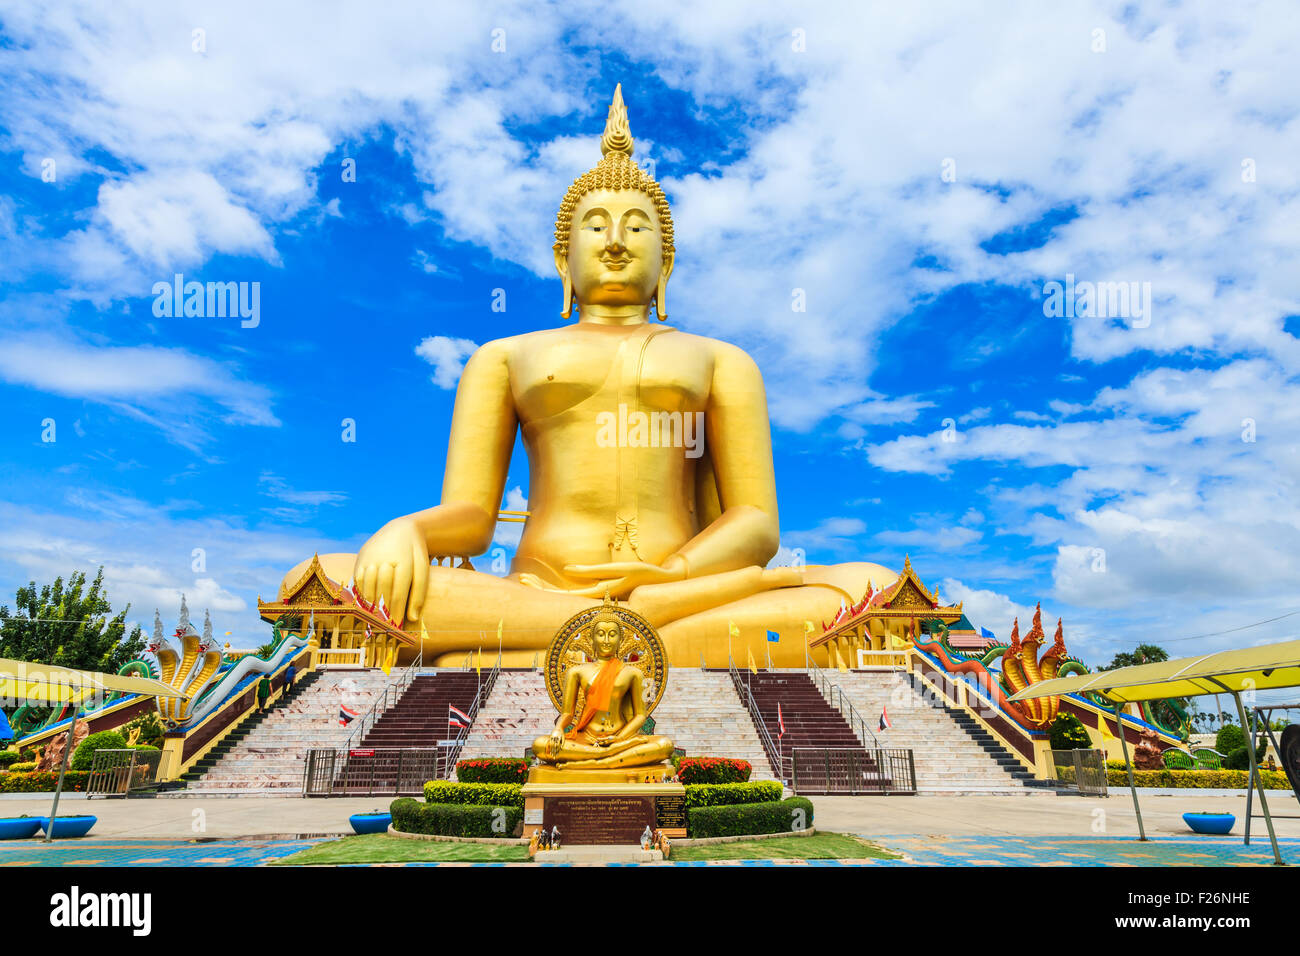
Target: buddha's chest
[{"x": 601, "y": 373}]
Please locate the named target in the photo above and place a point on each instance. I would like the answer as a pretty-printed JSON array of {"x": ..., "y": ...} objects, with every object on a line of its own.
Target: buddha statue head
[
  {"x": 614, "y": 231},
  {"x": 606, "y": 635}
]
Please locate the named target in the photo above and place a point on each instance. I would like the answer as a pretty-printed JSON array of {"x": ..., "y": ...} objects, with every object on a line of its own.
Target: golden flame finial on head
[{"x": 618, "y": 135}]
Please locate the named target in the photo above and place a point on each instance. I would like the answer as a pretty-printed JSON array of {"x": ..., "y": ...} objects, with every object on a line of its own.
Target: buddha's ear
[
  {"x": 561, "y": 263},
  {"x": 667, "y": 268},
  {"x": 562, "y": 267}
]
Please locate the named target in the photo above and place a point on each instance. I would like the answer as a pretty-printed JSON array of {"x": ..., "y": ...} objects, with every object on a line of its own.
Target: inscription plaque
[
  {"x": 605, "y": 820},
  {"x": 670, "y": 812}
]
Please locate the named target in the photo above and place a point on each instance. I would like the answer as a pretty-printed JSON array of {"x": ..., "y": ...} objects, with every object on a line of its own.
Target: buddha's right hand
[{"x": 394, "y": 564}]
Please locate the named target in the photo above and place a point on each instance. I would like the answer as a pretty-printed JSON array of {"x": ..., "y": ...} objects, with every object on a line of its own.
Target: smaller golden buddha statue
[{"x": 606, "y": 732}]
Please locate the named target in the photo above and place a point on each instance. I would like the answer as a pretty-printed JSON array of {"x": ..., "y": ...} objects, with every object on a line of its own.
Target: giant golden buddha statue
[{"x": 680, "y": 531}]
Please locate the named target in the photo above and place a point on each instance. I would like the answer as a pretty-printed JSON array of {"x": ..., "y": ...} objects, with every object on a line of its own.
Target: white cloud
[{"x": 447, "y": 356}]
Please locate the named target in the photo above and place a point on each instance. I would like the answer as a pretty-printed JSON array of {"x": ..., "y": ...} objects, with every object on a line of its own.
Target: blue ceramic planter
[
  {"x": 65, "y": 827},
  {"x": 1212, "y": 823},
  {"x": 19, "y": 828},
  {"x": 370, "y": 822}
]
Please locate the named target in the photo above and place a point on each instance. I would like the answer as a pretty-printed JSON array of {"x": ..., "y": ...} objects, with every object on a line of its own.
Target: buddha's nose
[{"x": 614, "y": 239}]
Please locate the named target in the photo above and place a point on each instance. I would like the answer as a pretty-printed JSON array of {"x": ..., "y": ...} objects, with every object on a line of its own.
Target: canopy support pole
[
  {"x": 63, "y": 769},
  {"x": 1256, "y": 777},
  {"x": 1128, "y": 764}
]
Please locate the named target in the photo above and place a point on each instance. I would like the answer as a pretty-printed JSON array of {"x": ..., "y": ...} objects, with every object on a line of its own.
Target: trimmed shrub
[
  {"x": 8, "y": 757},
  {"x": 151, "y": 729},
  {"x": 84, "y": 755},
  {"x": 743, "y": 819},
  {"x": 727, "y": 794},
  {"x": 42, "y": 781},
  {"x": 1197, "y": 779},
  {"x": 713, "y": 770},
  {"x": 1238, "y": 759},
  {"x": 27, "y": 766},
  {"x": 492, "y": 770},
  {"x": 455, "y": 819},
  {"x": 475, "y": 794},
  {"x": 1229, "y": 738},
  {"x": 1068, "y": 733}
]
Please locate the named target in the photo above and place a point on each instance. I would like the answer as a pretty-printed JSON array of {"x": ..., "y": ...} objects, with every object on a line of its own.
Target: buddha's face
[
  {"x": 615, "y": 249},
  {"x": 604, "y": 639}
]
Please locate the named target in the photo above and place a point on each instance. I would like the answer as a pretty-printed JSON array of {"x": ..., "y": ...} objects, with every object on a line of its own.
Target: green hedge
[
  {"x": 475, "y": 794},
  {"x": 746, "y": 818},
  {"x": 713, "y": 770},
  {"x": 26, "y": 766},
  {"x": 43, "y": 781},
  {"x": 9, "y": 756},
  {"x": 726, "y": 794},
  {"x": 455, "y": 819},
  {"x": 492, "y": 770},
  {"x": 84, "y": 755},
  {"x": 1196, "y": 779}
]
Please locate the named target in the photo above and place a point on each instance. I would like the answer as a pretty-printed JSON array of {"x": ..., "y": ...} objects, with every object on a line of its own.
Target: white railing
[
  {"x": 347, "y": 657},
  {"x": 882, "y": 660}
]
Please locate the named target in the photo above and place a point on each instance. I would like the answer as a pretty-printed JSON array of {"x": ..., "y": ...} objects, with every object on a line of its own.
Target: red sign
[{"x": 361, "y": 753}]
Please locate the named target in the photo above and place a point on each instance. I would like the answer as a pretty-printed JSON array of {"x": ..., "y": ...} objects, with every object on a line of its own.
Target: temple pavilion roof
[{"x": 317, "y": 594}]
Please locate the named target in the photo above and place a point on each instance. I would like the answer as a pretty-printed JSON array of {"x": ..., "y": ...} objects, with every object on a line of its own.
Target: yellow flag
[
  {"x": 807, "y": 627},
  {"x": 500, "y": 627},
  {"x": 732, "y": 629},
  {"x": 752, "y": 666},
  {"x": 1106, "y": 735},
  {"x": 478, "y": 664}
]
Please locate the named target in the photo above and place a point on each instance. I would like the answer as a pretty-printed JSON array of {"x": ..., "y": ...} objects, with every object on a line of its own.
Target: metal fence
[
  {"x": 1080, "y": 770},
  {"x": 116, "y": 773},
  {"x": 376, "y": 771},
  {"x": 828, "y": 770}
]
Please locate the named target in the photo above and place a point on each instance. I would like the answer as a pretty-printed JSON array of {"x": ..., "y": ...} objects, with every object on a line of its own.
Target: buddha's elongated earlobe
[
  {"x": 568, "y": 297},
  {"x": 661, "y": 301}
]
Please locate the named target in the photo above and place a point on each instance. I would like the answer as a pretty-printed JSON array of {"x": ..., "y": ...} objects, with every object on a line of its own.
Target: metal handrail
[
  {"x": 834, "y": 694},
  {"x": 775, "y": 755},
  {"x": 394, "y": 688},
  {"x": 480, "y": 698}
]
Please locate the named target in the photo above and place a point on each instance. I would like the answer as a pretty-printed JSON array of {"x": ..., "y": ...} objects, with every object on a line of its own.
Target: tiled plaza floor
[{"x": 920, "y": 850}]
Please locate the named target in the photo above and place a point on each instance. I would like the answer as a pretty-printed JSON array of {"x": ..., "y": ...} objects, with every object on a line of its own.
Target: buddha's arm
[
  {"x": 739, "y": 439},
  {"x": 633, "y": 726},
  {"x": 395, "y": 561},
  {"x": 483, "y": 426}
]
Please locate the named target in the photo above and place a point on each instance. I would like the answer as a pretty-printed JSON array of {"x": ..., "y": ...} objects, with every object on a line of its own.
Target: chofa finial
[{"x": 618, "y": 135}]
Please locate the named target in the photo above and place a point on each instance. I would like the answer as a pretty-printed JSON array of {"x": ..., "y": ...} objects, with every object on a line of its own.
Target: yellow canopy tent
[
  {"x": 1246, "y": 669},
  {"x": 24, "y": 682}
]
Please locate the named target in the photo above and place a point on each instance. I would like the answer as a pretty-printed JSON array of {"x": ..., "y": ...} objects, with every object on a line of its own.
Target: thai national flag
[
  {"x": 456, "y": 717},
  {"x": 885, "y": 722},
  {"x": 780, "y": 721},
  {"x": 346, "y": 715}
]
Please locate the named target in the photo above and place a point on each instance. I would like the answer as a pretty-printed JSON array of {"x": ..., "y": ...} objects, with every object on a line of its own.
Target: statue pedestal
[{"x": 604, "y": 807}]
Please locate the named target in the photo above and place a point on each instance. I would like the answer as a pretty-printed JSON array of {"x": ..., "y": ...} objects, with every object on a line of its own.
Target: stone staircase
[
  {"x": 952, "y": 752},
  {"x": 517, "y": 712},
  {"x": 267, "y": 752},
  {"x": 699, "y": 710},
  {"x": 703, "y": 715}
]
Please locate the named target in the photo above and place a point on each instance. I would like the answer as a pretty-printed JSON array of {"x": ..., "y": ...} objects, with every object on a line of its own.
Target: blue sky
[{"x": 920, "y": 174}]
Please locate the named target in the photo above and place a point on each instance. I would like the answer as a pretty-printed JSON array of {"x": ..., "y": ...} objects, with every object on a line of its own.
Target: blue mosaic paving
[{"x": 147, "y": 852}]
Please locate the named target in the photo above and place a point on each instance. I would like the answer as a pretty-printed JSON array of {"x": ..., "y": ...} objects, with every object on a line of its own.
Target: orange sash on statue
[{"x": 597, "y": 694}]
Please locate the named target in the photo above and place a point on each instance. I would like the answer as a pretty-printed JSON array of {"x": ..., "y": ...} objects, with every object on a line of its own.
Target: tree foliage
[
  {"x": 1142, "y": 654},
  {"x": 69, "y": 624}
]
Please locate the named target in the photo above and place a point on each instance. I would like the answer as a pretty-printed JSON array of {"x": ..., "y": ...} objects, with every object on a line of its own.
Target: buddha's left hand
[{"x": 624, "y": 576}]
